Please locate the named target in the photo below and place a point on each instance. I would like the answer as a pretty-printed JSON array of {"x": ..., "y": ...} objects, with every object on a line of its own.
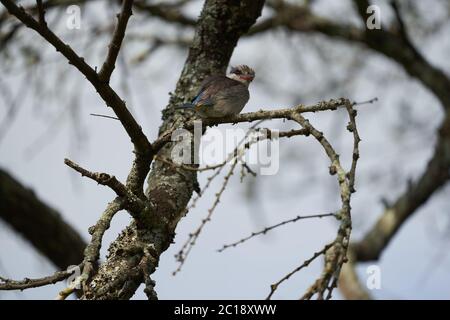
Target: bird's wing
[
  {"x": 234, "y": 93},
  {"x": 211, "y": 87}
]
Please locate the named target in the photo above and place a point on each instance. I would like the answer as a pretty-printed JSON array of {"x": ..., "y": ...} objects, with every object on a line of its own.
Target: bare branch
[
  {"x": 202, "y": 191},
  {"x": 268, "y": 135},
  {"x": 28, "y": 215},
  {"x": 116, "y": 41},
  {"x": 101, "y": 178},
  {"x": 165, "y": 12},
  {"x": 64, "y": 293},
  {"x": 92, "y": 251},
  {"x": 370, "y": 101},
  {"x": 418, "y": 193},
  {"x": 234, "y": 156},
  {"x": 133, "y": 203},
  {"x": 270, "y": 228},
  {"x": 285, "y": 113},
  {"x": 403, "y": 32},
  {"x": 349, "y": 283},
  {"x": 186, "y": 248},
  {"x": 336, "y": 255},
  {"x": 103, "y": 116},
  {"x": 41, "y": 12},
  {"x": 361, "y": 8},
  {"x": 7, "y": 284},
  {"x": 189, "y": 167},
  {"x": 356, "y": 140},
  {"x": 274, "y": 287},
  {"x": 336, "y": 252}
]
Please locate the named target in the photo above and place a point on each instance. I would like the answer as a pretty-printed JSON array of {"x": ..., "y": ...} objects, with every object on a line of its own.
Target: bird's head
[{"x": 242, "y": 73}]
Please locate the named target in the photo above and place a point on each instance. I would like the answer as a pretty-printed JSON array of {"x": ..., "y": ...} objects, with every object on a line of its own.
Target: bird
[{"x": 221, "y": 96}]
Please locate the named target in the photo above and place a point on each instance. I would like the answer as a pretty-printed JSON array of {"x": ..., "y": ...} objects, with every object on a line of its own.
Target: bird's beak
[{"x": 247, "y": 78}]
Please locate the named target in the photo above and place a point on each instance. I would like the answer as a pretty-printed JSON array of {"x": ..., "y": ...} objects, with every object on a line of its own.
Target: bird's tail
[{"x": 185, "y": 106}]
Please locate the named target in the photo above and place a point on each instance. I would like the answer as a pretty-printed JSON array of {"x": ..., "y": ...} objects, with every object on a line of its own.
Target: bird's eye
[{"x": 238, "y": 72}]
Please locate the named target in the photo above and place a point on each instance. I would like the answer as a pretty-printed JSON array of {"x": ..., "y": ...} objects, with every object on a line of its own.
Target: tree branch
[
  {"x": 284, "y": 113},
  {"x": 165, "y": 12},
  {"x": 116, "y": 41},
  {"x": 349, "y": 283},
  {"x": 92, "y": 251},
  {"x": 41, "y": 225},
  {"x": 274, "y": 286},
  {"x": 182, "y": 255},
  {"x": 270, "y": 228},
  {"x": 7, "y": 284},
  {"x": 432, "y": 179},
  {"x": 133, "y": 203},
  {"x": 41, "y": 12},
  {"x": 335, "y": 256},
  {"x": 392, "y": 45}
]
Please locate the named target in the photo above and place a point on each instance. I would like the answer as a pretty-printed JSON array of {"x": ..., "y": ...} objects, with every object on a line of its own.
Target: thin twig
[
  {"x": 189, "y": 167},
  {"x": 270, "y": 228},
  {"x": 8, "y": 284},
  {"x": 134, "y": 204},
  {"x": 274, "y": 286},
  {"x": 104, "y": 116},
  {"x": 356, "y": 140},
  {"x": 261, "y": 115},
  {"x": 365, "y": 102},
  {"x": 187, "y": 247},
  {"x": 335, "y": 257},
  {"x": 267, "y": 134}
]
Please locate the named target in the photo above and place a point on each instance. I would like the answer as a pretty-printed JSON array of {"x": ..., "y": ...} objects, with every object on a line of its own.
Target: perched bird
[{"x": 221, "y": 96}]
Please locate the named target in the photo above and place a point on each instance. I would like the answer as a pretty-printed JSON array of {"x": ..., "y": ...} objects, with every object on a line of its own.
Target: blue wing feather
[
  {"x": 197, "y": 98},
  {"x": 203, "y": 99}
]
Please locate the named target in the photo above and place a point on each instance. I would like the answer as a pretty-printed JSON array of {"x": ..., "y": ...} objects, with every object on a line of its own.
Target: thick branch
[
  {"x": 39, "y": 224},
  {"x": 349, "y": 283},
  {"x": 394, "y": 45},
  {"x": 432, "y": 179},
  {"x": 165, "y": 12}
]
